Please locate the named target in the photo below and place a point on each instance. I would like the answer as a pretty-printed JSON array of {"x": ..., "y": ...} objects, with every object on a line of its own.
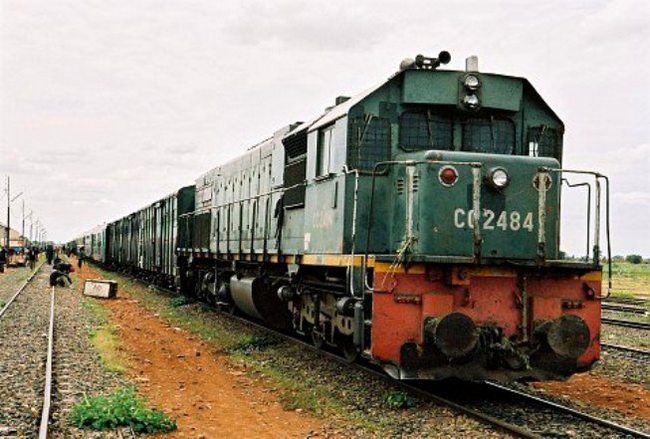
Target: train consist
[{"x": 416, "y": 224}]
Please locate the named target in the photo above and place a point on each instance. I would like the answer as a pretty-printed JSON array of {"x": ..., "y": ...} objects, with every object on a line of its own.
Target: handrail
[
  {"x": 253, "y": 197},
  {"x": 588, "y": 186},
  {"x": 596, "y": 250}
]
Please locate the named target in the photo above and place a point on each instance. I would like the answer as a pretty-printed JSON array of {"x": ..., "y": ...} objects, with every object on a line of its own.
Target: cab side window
[
  {"x": 324, "y": 154},
  {"x": 368, "y": 142},
  {"x": 544, "y": 141}
]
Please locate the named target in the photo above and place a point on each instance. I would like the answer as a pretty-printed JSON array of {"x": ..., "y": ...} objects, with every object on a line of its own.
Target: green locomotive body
[{"x": 417, "y": 224}]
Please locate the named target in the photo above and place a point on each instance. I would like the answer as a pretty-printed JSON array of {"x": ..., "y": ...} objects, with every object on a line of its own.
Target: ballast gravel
[{"x": 77, "y": 368}]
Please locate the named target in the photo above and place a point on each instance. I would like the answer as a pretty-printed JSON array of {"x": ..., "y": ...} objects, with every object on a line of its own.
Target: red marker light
[{"x": 448, "y": 176}]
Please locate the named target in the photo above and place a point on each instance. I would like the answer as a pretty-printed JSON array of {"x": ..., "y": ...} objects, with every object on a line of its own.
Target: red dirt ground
[
  {"x": 631, "y": 399},
  {"x": 183, "y": 376}
]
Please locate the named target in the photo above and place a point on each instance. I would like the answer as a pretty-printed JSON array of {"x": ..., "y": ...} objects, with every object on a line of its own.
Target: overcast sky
[{"x": 106, "y": 106}]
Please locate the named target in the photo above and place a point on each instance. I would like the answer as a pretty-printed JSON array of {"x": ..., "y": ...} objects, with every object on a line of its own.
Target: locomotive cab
[{"x": 462, "y": 220}]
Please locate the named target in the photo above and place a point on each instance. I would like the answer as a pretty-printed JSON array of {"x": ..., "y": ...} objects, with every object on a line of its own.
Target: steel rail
[
  {"x": 626, "y": 323},
  {"x": 47, "y": 397},
  {"x": 626, "y": 300},
  {"x": 20, "y": 290},
  {"x": 624, "y": 308},
  {"x": 571, "y": 411},
  {"x": 617, "y": 347}
]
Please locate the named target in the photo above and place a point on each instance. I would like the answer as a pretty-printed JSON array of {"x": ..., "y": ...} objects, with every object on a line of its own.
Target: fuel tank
[{"x": 255, "y": 298}]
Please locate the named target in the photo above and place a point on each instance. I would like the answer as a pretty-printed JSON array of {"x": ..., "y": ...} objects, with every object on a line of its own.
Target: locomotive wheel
[
  {"x": 229, "y": 308},
  {"x": 317, "y": 339},
  {"x": 350, "y": 352}
]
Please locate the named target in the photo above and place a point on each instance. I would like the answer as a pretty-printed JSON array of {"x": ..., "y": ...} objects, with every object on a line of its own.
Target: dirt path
[{"x": 180, "y": 374}]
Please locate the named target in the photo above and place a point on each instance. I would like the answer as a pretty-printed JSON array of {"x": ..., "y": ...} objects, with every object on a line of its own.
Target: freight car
[
  {"x": 145, "y": 241},
  {"x": 416, "y": 224},
  {"x": 92, "y": 242}
]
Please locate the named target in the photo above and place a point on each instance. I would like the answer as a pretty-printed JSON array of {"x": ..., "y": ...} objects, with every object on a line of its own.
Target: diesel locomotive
[{"x": 416, "y": 224}]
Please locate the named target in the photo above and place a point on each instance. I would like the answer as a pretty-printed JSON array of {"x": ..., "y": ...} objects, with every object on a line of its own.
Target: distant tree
[
  {"x": 618, "y": 258},
  {"x": 634, "y": 259},
  {"x": 563, "y": 255}
]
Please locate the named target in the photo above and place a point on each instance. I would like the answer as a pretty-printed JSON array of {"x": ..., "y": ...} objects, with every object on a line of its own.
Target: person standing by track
[
  {"x": 49, "y": 254},
  {"x": 3, "y": 259},
  {"x": 80, "y": 258},
  {"x": 31, "y": 257}
]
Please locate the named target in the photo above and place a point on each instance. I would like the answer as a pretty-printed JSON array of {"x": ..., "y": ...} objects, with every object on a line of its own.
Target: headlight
[
  {"x": 471, "y": 82},
  {"x": 471, "y": 101},
  {"x": 499, "y": 178}
]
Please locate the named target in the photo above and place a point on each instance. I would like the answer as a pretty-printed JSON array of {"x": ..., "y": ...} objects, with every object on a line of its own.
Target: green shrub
[
  {"x": 122, "y": 408},
  {"x": 399, "y": 400},
  {"x": 634, "y": 259}
]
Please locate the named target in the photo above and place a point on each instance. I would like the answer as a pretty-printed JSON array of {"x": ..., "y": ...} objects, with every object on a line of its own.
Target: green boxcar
[{"x": 145, "y": 241}]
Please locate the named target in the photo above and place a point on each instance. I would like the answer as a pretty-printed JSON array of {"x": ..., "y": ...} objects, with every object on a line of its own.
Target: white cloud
[{"x": 636, "y": 198}]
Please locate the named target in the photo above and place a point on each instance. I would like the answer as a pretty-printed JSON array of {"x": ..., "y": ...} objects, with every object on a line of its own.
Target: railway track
[
  {"x": 626, "y": 323},
  {"x": 373, "y": 370},
  {"x": 626, "y": 300},
  {"x": 596, "y": 420},
  {"x": 493, "y": 421},
  {"x": 624, "y": 308},
  {"x": 431, "y": 392},
  {"x": 26, "y": 367},
  {"x": 19, "y": 290},
  {"x": 586, "y": 424},
  {"x": 614, "y": 347}
]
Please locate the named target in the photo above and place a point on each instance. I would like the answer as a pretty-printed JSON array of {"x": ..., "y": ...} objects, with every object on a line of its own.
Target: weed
[
  {"x": 253, "y": 343},
  {"x": 399, "y": 400},
  {"x": 122, "y": 408},
  {"x": 180, "y": 301},
  {"x": 204, "y": 307},
  {"x": 105, "y": 339}
]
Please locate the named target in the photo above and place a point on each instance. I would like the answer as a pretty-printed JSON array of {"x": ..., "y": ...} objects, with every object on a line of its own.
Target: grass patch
[
  {"x": 253, "y": 343},
  {"x": 105, "y": 340},
  {"x": 122, "y": 408},
  {"x": 629, "y": 280},
  {"x": 180, "y": 301},
  {"x": 13, "y": 277},
  {"x": 396, "y": 399}
]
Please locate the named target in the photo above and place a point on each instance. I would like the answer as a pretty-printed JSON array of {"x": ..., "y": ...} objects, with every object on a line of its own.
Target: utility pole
[
  {"x": 31, "y": 223},
  {"x": 38, "y": 225},
  {"x": 8, "y": 209},
  {"x": 24, "y": 240}
]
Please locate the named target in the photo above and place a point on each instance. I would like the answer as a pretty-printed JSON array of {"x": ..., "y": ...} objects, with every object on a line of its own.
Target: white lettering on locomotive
[{"x": 506, "y": 220}]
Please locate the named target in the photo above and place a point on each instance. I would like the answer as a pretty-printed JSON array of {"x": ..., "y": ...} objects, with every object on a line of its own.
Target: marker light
[
  {"x": 471, "y": 82},
  {"x": 499, "y": 178},
  {"x": 448, "y": 176}
]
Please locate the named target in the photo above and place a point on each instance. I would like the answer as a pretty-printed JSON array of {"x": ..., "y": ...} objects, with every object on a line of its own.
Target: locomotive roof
[{"x": 341, "y": 110}]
